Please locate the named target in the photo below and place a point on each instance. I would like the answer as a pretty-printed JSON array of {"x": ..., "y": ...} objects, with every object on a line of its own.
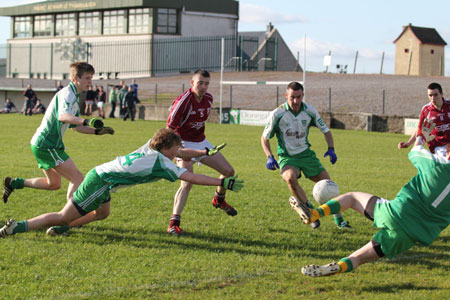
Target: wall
[
  {"x": 431, "y": 64},
  {"x": 207, "y": 24}
]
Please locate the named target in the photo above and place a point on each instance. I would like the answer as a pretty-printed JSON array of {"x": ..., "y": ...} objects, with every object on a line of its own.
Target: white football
[{"x": 324, "y": 190}]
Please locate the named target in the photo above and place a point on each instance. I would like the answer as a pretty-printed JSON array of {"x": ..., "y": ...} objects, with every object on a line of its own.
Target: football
[{"x": 324, "y": 190}]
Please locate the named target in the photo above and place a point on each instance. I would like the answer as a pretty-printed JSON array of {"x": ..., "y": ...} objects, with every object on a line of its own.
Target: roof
[
  {"x": 424, "y": 35},
  {"x": 64, "y": 6}
]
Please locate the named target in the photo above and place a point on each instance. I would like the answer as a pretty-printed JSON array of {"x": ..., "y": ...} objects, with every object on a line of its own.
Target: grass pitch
[{"x": 256, "y": 255}]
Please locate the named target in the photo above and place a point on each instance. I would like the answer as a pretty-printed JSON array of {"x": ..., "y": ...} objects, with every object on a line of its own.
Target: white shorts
[
  {"x": 441, "y": 151},
  {"x": 100, "y": 104},
  {"x": 196, "y": 146},
  {"x": 89, "y": 102}
]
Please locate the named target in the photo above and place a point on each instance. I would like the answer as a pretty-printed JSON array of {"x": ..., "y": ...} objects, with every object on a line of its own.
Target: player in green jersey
[
  {"x": 47, "y": 143},
  {"x": 418, "y": 214},
  {"x": 290, "y": 122},
  {"x": 151, "y": 162}
]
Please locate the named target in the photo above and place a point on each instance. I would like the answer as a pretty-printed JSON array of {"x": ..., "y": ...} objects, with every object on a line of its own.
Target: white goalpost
[{"x": 239, "y": 82}]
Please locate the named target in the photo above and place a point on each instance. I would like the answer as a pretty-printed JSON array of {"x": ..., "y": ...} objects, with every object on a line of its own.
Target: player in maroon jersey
[
  {"x": 187, "y": 118},
  {"x": 438, "y": 112}
]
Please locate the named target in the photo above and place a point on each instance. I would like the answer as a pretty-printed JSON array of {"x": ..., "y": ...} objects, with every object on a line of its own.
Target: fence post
[
  {"x": 182, "y": 88},
  {"x": 156, "y": 93},
  {"x": 51, "y": 61},
  {"x": 329, "y": 100},
  {"x": 384, "y": 101}
]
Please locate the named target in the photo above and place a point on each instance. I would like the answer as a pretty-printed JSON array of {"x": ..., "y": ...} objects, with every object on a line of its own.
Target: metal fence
[{"x": 138, "y": 58}]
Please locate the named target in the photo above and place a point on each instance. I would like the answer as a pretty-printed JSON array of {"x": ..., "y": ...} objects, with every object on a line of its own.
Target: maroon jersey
[
  {"x": 441, "y": 118},
  {"x": 188, "y": 116}
]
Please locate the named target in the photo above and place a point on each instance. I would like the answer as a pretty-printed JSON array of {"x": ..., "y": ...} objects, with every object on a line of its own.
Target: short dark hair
[
  {"x": 435, "y": 86},
  {"x": 79, "y": 68},
  {"x": 164, "y": 138},
  {"x": 295, "y": 86},
  {"x": 202, "y": 72}
]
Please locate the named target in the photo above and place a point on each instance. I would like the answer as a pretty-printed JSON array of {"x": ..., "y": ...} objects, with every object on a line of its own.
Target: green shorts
[
  {"x": 91, "y": 193},
  {"x": 392, "y": 238},
  {"x": 306, "y": 161},
  {"x": 49, "y": 158}
]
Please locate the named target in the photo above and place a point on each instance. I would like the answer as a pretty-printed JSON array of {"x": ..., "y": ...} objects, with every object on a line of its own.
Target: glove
[
  {"x": 94, "y": 122},
  {"x": 271, "y": 163},
  {"x": 232, "y": 184},
  {"x": 104, "y": 130},
  {"x": 427, "y": 128},
  {"x": 333, "y": 156},
  {"x": 215, "y": 149}
]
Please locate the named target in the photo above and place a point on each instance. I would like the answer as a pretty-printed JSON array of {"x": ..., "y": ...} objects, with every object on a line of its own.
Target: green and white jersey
[
  {"x": 292, "y": 129},
  {"x": 140, "y": 166},
  {"x": 51, "y": 131},
  {"x": 422, "y": 206}
]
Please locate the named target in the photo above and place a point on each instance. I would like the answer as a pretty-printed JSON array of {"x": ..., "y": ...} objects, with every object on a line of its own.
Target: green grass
[{"x": 256, "y": 255}]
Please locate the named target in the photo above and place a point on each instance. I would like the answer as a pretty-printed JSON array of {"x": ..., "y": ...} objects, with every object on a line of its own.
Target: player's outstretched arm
[
  {"x": 230, "y": 183},
  {"x": 412, "y": 139},
  {"x": 189, "y": 153},
  {"x": 271, "y": 163}
]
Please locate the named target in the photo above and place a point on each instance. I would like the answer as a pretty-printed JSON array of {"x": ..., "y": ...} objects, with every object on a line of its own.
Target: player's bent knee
[
  {"x": 54, "y": 186},
  {"x": 228, "y": 173}
]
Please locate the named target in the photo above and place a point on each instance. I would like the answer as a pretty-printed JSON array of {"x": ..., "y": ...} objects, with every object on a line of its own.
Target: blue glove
[
  {"x": 271, "y": 163},
  {"x": 333, "y": 156}
]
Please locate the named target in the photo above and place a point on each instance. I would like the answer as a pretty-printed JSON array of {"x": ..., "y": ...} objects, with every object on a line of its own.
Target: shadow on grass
[{"x": 394, "y": 288}]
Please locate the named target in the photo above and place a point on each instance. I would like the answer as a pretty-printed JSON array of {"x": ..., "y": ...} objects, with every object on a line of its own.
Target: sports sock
[
  {"x": 219, "y": 197},
  {"x": 61, "y": 229},
  {"x": 346, "y": 265},
  {"x": 17, "y": 183},
  {"x": 175, "y": 220},
  {"x": 21, "y": 227},
  {"x": 331, "y": 207},
  {"x": 338, "y": 219}
]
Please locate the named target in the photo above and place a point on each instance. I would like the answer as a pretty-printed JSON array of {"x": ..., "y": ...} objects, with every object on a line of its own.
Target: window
[
  {"x": 139, "y": 20},
  {"x": 167, "y": 20},
  {"x": 113, "y": 22},
  {"x": 65, "y": 25},
  {"x": 43, "y": 25},
  {"x": 89, "y": 23},
  {"x": 432, "y": 51},
  {"x": 22, "y": 27},
  {"x": 406, "y": 50}
]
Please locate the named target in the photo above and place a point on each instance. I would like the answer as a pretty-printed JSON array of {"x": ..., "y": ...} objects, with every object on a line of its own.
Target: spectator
[
  {"x": 122, "y": 92},
  {"x": 90, "y": 98},
  {"x": 113, "y": 100},
  {"x": 9, "y": 105},
  {"x": 29, "y": 97},
  {"x": 39, "y": 108},
  {"x": 101, "y": 99},
  {"x": 134, "y": 86},
  {"x": 130, "y": 101}
]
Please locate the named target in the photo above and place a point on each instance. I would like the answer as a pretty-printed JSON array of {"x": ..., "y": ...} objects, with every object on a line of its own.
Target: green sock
[
  {"x": 346, "y": 265},
  {"x": 338, "y": 219},
  {"x": 17, "y": 183},
  {"x": 21, "y": 227},
  {"x": 61, "y": 229}
]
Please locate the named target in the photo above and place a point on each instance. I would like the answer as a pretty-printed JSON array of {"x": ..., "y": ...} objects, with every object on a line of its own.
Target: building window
[
  {"x": 113, "y": 22},
  {"x": 138, "y": 20},
  {"x": 43, "y": 25},
  {"x": 89, "y": 23},
  {"x": 167, "y": 20},
  {"x": 65, "y": 25},
  {"x": 432, "y": 51},
  {"x": 406, "y": 50},
  {"x": 22, "y": 27}
]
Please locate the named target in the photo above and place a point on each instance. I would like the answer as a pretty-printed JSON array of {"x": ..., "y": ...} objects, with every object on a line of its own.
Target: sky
[{"x": 342, "y": 27}]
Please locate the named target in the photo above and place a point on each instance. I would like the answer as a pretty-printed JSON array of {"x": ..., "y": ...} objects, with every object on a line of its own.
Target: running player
[
  {"x": 438, "y": 111},
  {"x": 187, "y": 118},
  {"x": 149, "y": 163},
  {"x": 47, "y": 143},
  {"x": 418, "y": 214},
  {"x": 290, "y": 122}
]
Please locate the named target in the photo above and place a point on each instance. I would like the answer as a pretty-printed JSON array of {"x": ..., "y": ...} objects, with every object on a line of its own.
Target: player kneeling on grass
[
  {"x": 91, "y": 201},
  {"x": 419, "y": 212}
]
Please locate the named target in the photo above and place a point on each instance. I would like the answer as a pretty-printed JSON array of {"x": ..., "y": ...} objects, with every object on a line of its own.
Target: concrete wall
[
  {"x": 351, "y": 121},
  {"x": 207, "y": 24}
]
